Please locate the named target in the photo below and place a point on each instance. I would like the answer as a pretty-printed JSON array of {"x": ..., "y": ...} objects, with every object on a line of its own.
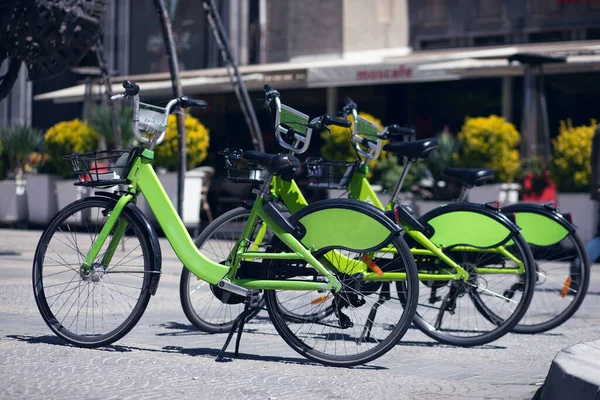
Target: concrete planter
[
  {"x": 486, "y": 193},
  {"x": 191, "y": 198},
  {"x": 584, "y": 211},
  {"x": 66, "y": 193},
  {"x": 421, "y": 207},
  {"x": 13, "y": 201},
  {"x": 41, "y": 197}
]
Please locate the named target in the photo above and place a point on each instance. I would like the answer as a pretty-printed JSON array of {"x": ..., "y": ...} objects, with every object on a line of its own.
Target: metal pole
[
  {"x": 165, "y": 24},
  {"x": 544, "y": 117},
  {"x": 99, "y": 50},
  {"x": 528, "y": 117},
  {"x": 234, "y": 74}
]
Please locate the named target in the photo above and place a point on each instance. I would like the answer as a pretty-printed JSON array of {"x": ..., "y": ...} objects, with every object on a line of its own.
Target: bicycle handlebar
[
  {"x": 393, "y": 131},
  {"x": 132, "y": 89},
  {"x": 341, "y": 122}
]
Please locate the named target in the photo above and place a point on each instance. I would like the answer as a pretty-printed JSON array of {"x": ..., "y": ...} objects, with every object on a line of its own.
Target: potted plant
[
  {"x": 571, "y": 170},
  {"x": 66, "y": 138},
  {"x": 41, "y": 197},
  {"x": 489, "y": 142},
  {"x": 100, "y": 120},
  {"x": 18, "y": 142},
  {"x": 165, "y": 162},
  {"x": 536, "y": 181}
]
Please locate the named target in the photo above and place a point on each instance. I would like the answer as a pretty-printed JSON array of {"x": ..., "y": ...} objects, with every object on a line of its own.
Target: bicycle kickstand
[{"x": 250, "y": 304}]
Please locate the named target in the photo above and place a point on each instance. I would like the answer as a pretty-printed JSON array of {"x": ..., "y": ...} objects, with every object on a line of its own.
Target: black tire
[
  {"x": 98, "y": 308},
  {"x": 321, "y": 339},
  {"x": 482, "y": 311},
  {"x": 562, "y": 280},
  {"x": 201, "y": 307}
]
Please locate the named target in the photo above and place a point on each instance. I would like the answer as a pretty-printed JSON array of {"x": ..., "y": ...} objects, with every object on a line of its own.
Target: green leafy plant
[
  {"x": 66, "y": 138},
  {"x": 100, "y": 120},
  {"x": 490, "y": 142},
  {"x": 18, "y": 142},
  {"x": 197, "y": 142},
  {"x": 571, "y": 163}
]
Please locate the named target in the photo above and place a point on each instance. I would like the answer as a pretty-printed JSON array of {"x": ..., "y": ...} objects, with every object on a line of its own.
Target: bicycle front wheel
[
  {"x": 91, "y": 308},
  {"x": 208, "y": 308},
  {"x": 361, "y": 322}
]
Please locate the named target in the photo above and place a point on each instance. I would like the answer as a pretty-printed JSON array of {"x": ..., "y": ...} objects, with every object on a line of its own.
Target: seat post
[
  {"x": 407, "y": 165},
  {"x": 463, "y": 194}
]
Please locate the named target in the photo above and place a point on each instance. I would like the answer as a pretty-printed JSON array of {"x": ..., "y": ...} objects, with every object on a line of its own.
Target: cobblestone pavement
[{"x": 164, "y": 356}]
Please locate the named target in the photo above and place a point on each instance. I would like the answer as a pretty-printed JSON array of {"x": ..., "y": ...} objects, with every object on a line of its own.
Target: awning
[{"x": 366, "y": 68}]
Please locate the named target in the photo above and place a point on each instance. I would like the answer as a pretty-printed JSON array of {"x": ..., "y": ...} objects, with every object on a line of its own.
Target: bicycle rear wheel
[
  {"x": 481, "y": 309},
  {"x": 562, "y": 279},
  {"x": 97, "y": 307},
  {"x": 356, "y": 325}
]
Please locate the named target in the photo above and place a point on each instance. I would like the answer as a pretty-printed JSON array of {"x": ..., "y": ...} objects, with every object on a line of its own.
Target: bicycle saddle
[
  {"x": 284, "y": 165},
  {"x": 470, "y": 176},
  {"x": 412, "y": 150}
]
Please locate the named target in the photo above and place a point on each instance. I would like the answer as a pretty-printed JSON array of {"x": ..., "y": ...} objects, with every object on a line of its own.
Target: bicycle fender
[
  {"x": 540, "y": 225},
  {"x": 452, "y": 225},
  {"x": 345, "y": 223},
  {"x": 150, "y": 234}
]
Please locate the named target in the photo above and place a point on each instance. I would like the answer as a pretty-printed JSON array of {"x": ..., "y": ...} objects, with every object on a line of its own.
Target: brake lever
[{"x": 179, "y": 111}]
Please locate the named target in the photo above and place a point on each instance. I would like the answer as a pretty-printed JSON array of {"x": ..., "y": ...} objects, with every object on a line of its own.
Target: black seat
[
  {"x": 470, "y": 176},
  {"x": 412, "y": 150},
  {"x": 284, "y": 165}
]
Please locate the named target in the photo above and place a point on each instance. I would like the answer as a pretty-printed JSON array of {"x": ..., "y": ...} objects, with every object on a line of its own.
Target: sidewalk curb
[{"x": 574, "y": 374}]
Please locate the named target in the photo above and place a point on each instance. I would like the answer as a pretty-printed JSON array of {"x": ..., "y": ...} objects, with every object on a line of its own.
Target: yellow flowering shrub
[
  {"x": 69, "y": 137},
  {"x": 339, "y": 147},
  {"x": 490, "y": 142},
  {"x": 571, "y": 163},
  {"x": 197, "y": 142}
]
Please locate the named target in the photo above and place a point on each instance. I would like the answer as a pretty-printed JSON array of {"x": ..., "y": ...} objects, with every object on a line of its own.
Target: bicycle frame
[
  {"x": 145, "y": 181},
  {"x": 360, "y": 189}
]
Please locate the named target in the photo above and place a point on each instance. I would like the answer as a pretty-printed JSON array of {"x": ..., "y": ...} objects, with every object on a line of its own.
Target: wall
[
  {"x": 462, "y": 23},
  {"x": 375, "y": 25}
]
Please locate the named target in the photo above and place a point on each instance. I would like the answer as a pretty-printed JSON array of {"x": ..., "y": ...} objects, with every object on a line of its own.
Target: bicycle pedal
[
  {"x": 345, "y": 321},
  {"x": 253, "y": 298}
]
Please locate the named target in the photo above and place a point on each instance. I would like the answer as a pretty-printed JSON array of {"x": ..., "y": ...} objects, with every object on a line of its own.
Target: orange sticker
[
  {"x": 566, "y": 287},
  {"x": 372, "y": 266},
  {"x": 319, "y": 300}
]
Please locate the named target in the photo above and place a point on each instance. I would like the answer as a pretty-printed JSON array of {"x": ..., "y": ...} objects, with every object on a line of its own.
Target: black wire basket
[
  {"x": 101, "y": 168},
  {"x": 241, "y": 171},
  {"x": 324, "y": 174}
]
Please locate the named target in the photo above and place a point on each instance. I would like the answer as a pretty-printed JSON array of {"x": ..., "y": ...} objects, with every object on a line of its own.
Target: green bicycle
[
  {"x": 561, "y": 262},
  {"x": 99, "y": 260},
  {"x": 467, "y": 254}
]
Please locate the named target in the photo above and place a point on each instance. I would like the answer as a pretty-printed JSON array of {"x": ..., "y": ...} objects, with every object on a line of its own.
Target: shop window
[
  {"x": 551, "y": 36},
  {"x": 489, "y": 40},
  {"x": 436, "y": 44}
]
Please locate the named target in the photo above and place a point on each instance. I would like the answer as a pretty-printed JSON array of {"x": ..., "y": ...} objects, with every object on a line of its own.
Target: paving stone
[{"x": 165, "y": 356}]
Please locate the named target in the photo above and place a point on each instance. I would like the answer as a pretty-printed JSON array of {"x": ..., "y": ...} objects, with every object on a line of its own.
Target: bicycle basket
[
  {"x": 101, "y": 168},
  {"x": 239, "y": 170},
  {"x": 153, "y": 119},
  {"x": 329, "y": 174}
]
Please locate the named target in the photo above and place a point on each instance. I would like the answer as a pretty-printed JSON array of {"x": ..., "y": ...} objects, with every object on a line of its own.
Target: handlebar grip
[
  {"x": 344, "y": 123},
  {"x": 131, "y": 88},
  {"x": 186, "y": 102},
  {"x": 396, "y": 129}
]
